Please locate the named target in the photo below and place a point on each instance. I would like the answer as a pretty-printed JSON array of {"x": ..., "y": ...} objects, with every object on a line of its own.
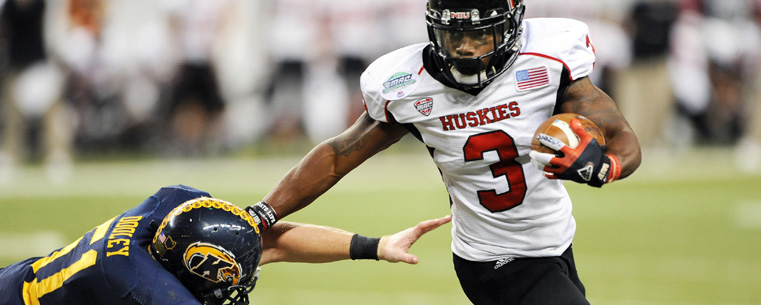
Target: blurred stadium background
[{"x": 102, "y": 102}]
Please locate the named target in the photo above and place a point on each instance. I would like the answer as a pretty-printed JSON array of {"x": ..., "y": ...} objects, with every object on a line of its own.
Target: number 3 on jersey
[{"x": 506, "y": 168}]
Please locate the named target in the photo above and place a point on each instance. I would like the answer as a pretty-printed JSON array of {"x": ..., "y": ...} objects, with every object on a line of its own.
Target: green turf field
[{"x": 682, "y": 230}]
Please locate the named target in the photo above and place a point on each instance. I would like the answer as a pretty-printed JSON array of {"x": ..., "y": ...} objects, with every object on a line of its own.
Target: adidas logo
[
  {"x": 586, "y": 171},
  {"x": 503, "y": 262}
]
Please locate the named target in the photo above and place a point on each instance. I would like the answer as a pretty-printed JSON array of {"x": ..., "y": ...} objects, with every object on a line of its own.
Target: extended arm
[
  {"x": 330, "y": 161},
  {"x": 294, "y": 242}
]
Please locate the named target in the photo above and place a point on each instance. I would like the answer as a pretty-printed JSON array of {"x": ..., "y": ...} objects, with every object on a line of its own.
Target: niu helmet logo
[{"x": 212, "y": 263}]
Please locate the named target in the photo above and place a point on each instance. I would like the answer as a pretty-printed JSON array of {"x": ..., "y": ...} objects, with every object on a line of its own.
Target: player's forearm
[
  {"x": 293, "y": 242},
  {"x": 310, "y": 178},
  {"x": 625, "y": 146},
  {"x": 329, "y": 161},
  {"x": 586, "y": 99}
]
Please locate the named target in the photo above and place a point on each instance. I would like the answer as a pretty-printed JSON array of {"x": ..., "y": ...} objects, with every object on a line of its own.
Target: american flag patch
[{"x": 532, "y": 78}]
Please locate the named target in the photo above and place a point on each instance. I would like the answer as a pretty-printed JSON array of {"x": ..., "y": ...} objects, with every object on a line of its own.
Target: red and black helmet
[
  {"x": 496, "y": 22},
  {"x": 213, "y": 247}
]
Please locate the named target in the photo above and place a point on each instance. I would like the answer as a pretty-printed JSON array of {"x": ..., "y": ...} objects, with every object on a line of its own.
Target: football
[{"x": 559, "y": 127}]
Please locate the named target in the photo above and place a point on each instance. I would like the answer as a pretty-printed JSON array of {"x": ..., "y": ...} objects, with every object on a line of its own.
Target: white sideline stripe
[
  {"x": 747, "y": 214},
  {"x": 23, "y": 245}
]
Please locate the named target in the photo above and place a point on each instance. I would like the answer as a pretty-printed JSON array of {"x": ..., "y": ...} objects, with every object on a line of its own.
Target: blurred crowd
[{"x": 200, "y": 78}]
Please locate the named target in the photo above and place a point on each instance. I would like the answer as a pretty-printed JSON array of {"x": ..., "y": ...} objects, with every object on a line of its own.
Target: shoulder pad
[
  {"x": 391, "y": 77},
  {"x": 566, "y": 40}
]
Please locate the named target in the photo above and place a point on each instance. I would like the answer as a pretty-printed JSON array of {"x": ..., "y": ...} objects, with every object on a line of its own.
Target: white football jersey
[{"x": 501, "y": 208}]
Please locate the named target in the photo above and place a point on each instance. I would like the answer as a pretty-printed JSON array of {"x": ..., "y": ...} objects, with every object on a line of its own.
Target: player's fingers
[
  {"x": 578, "y": 129},
  {"x": 429, "y": 225},
  {"x": 549, "y": 141},
  {"x": 424, "y": 227},
  {"x": 566, "y": 150},
  {"x": 409, "y": 258},
  {"x": 539, "y": 158},
  {"x": 558, "y": 164},
  {"x": 553, "y": 170}
]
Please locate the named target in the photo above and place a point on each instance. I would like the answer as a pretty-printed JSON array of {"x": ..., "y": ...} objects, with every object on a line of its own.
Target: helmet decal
[
  {"x": 212, "y": 263},
  {"x": 162, "y": 243}
]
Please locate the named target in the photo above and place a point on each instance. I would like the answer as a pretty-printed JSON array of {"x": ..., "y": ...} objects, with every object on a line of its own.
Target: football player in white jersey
[{"x": 474, "y": 95}]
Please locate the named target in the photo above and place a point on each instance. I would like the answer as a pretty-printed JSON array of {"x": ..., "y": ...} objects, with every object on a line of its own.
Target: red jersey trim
[
  {"x": 570, "y": 75},
  {"x": 385, "y": 111}
]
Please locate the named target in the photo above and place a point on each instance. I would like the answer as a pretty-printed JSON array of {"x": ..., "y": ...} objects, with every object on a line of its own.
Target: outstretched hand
[{"x": 394, "y": 248}]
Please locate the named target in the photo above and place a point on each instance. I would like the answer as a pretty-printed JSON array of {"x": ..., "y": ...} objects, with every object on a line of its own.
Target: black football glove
[
  {"x": 587, "y": 163},
  {"x": 264, "y": 215}
]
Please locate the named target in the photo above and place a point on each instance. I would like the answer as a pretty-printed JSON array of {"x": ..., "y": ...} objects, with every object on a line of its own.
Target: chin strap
[{"x": 232, "y": 295}]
